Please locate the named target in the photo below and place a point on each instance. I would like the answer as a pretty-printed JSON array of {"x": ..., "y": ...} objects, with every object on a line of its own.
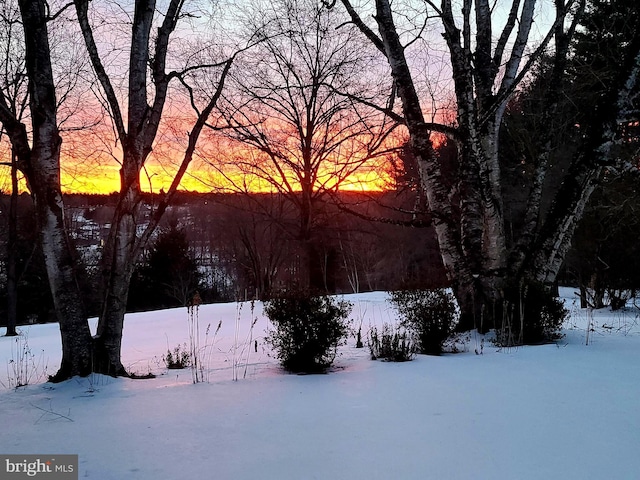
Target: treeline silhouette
[{"x": 241, "y": 246}]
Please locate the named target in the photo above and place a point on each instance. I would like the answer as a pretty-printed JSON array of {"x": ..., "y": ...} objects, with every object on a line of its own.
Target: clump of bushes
[
  {"x": 392, "y": 344},
  {"x": 177, "y": 359},
  {"x": 430, "y": 314},
  {"x": 307, "y": 330}
]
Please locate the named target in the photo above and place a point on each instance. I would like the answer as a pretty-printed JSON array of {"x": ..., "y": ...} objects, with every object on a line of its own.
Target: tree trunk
[
  {"x": 124, "y": 244},
  {"x": 118, "y": 261},
  {"x": 41, "y": 166},
  {"x": 12, "y": 280},
  {"x": 473, "y": 262}
]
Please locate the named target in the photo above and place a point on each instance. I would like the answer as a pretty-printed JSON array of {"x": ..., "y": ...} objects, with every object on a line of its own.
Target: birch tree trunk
[
  {"x": 40, "y": 163},
  {"x": 437, "y": 191},
  {"x": 131, "y": 227},
  {"x": 487, "y": 67},
  {"x": 474, "y": 247}
]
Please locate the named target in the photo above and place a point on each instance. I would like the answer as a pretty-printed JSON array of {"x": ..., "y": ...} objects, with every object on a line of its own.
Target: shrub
[
  {"x": 359, "y": 343},
  {"x": 177, "y": 359},
  {"x": 431, "y": 314},
  {"x": 308, "y": 330},
  {"x": 392, "y": 344},
  {"x": 532, "y": 315}
]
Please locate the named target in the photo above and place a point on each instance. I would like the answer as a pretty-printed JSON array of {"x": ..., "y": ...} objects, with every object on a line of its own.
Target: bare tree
[
  {"x": 38, "y": 153},
  {"x": 136, "y": 125},
  {"x": 14, "y": 91},
  {"x": 301, "y": 138},
  {"x": 37, "y": 149},
  {"x": 488, "y": 63}
]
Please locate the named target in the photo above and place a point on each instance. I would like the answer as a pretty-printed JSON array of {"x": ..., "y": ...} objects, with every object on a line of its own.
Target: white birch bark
[
  {"x": 40, "y": 162},
  {"x": 474, "y": 246}
]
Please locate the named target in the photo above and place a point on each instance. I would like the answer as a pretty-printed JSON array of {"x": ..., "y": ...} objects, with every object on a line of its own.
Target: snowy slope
[{"x": 565, "y": 411}]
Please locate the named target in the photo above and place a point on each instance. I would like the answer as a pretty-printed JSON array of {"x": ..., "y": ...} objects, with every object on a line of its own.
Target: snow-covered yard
[{"x": 562, "y": 411}]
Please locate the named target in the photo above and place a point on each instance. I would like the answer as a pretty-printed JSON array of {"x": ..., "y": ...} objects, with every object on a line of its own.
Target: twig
[{"x": 51, "y": 412}]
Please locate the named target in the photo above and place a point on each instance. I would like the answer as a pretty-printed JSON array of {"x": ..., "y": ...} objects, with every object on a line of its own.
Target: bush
[
  {"x": 178, "y": 359},
  {"x": 308, "y": 330},
  {"x": 532, "y": 315},
  {"x": 431, "y": 314},
  {"x": 392, "y": 344}
]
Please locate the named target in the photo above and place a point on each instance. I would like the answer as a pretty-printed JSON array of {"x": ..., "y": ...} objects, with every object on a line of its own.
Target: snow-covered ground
[{"x": 562, "y": 411}]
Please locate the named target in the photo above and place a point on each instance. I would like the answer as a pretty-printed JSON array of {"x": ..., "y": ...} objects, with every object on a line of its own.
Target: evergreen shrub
[
  {"x": 307, "y": 330},
  {"x": 430, "y": 314},
  {"x": 532, "y": 315}
]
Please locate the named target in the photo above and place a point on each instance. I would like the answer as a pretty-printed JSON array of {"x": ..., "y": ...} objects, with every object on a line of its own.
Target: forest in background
[
  {"x": 231, "y": 247},
  {"x": 235, "y": 247}
]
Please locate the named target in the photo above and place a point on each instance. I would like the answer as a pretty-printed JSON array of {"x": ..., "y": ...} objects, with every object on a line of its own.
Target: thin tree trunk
[{"x": 12, "y": 280}]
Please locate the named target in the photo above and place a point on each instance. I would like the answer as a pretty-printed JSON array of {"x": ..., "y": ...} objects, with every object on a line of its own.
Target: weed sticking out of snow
[
  {"x": 199, "y": 355},
  {"x": 247, "y": 345},
  {"x": 24, "y": 366}
]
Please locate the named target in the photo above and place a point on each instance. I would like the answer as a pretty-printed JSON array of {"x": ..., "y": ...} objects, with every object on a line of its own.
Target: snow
[{"x": 560, "y": 411}]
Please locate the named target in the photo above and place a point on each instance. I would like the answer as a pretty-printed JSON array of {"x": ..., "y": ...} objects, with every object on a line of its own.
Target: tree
[
  {"x": 488, "y": 66},
  {"x": 37, "y": 150},
  {"x": 303, "y": 137},
  {"x": 136, "y": 126},
  {"x": 14, "y": 92},
  {"x": 168, "y": 276}
]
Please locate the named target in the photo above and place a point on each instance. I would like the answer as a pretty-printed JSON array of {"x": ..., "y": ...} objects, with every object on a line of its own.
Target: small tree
[{"x": 168, "y": 276}]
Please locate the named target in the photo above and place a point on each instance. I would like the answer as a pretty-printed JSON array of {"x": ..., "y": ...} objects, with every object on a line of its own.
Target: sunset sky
[
  {"x": 91, "y": 155},
  {"x": 97, "y": 176}
]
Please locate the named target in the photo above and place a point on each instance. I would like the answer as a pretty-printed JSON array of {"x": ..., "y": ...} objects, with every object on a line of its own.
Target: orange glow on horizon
[
  {"x": 90, "y": 163},
  {"x": 91, "y": 167},
  {"x": 105, "y": 179}
]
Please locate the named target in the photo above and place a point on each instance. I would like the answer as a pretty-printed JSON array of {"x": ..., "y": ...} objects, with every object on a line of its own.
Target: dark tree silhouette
[{"x": 168, "y": 275}]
